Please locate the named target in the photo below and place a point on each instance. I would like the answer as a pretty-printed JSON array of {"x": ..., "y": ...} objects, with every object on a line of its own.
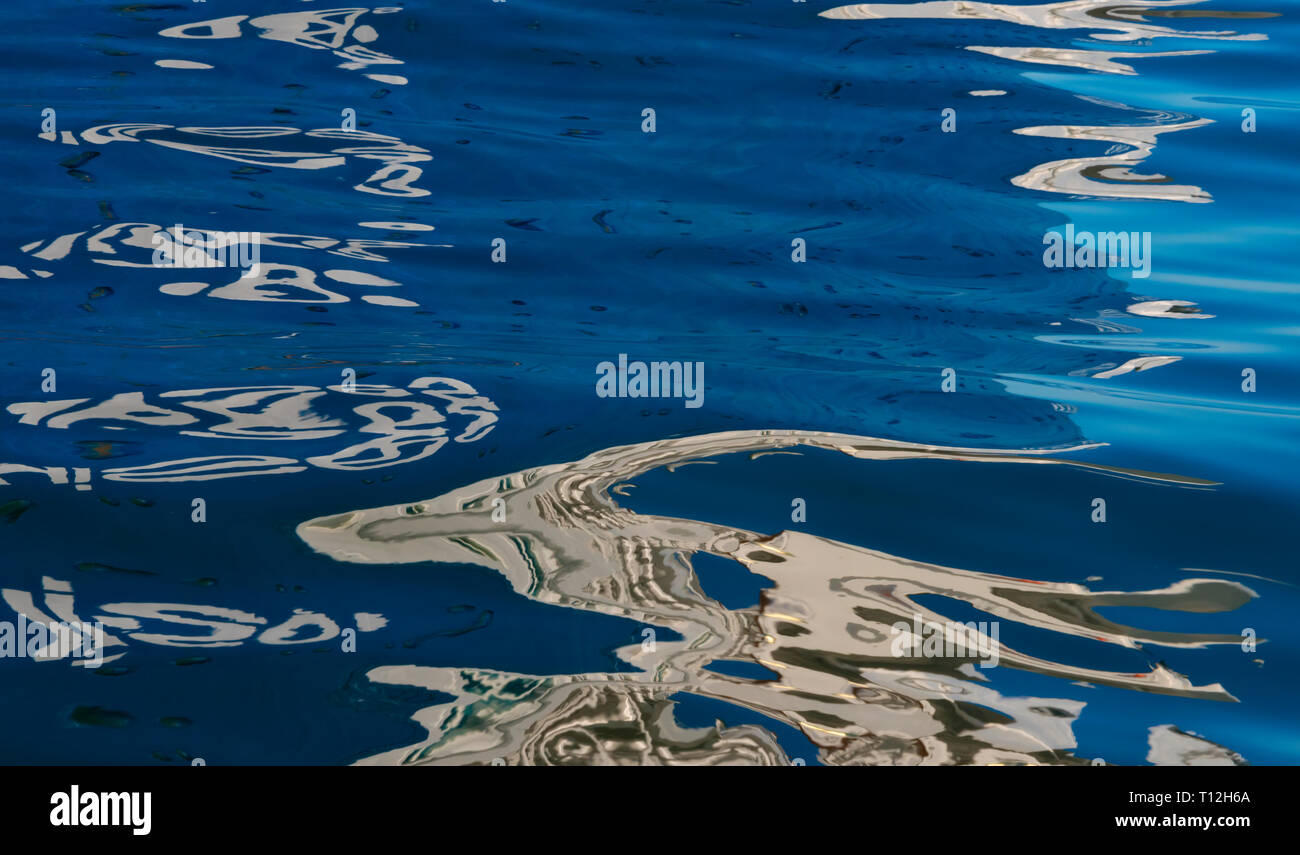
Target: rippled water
[{"x": 364, "y": 503}]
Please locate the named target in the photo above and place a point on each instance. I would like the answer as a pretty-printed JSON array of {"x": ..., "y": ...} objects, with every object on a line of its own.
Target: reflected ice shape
[
  {"x": 406, "y": 424},
  {"x": 201, "y": 625},
  {"x": 185, "y": 64},
  {"x": 1117, "y": 23},
  {"x": 1181, "y": 309},
  {"x": 1141, "y": 363},
  {"x": 514, "y": 720},
  {"x": 1171, "y": 746},
  {"x": 396, "y": 177},
  {"x": 823, "y": 628},
  {"x": 1090, "y": 60},
  {"x": 335, "y": 30},
  {"x": 132, "y": 245},
  {"x": 1109, "y": 175}
]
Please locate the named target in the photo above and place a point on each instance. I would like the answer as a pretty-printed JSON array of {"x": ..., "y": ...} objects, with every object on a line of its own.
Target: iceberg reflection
[{"x": 822, "y": 628}]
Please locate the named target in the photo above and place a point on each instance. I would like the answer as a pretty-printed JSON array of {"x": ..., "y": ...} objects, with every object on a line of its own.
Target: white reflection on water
[
  {"x": 131, "y": 245},
  {"x": 1118, "y": 22},
  {"x": 558, "y": 536},
  {"x": 400, "y": 426},
  {"x": 1171, "y": 746},
  {"x": 1108, "y": 175},
  {"x": 334, "y": 30},
  {"x": 396, "y": 177}
]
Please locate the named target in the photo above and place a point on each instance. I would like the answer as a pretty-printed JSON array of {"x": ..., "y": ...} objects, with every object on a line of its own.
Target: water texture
[{"x": 376, "y": 485}]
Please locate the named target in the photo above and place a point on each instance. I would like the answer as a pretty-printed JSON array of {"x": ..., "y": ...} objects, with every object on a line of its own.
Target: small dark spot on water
[
  {"x": 175, "y": 721},
  {"x": 73, "y": 161},
  {"x": 132, "y": 8},
  {"x": 96, "y": 567},
  {"x": 11, "y": 511},
  {"x": 95, "y": 716}
]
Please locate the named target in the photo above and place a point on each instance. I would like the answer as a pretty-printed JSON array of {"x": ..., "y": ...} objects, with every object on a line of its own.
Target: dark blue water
[{"x": 921, "y": 312}]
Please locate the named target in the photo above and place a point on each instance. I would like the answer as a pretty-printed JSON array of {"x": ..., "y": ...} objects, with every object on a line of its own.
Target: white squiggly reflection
[
  {"x": 396, "y": 177},
  {"x": 1108, "y": 175},
  {"x": 194, "y": 625},
  {"x": 1140, "y": 363},
  {"x": 334, "y": 30},
  {"x": 406, "y": 424},
  {"x": 1090, "y": 60},
  {"x": 131, "y": 245},
  {"x": 1117, "y": 23},
  {"x": 823, "y": 627}
]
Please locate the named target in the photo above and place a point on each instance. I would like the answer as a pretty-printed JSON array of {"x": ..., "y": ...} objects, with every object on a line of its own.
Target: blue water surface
[{"x": 525, "y": 121}]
